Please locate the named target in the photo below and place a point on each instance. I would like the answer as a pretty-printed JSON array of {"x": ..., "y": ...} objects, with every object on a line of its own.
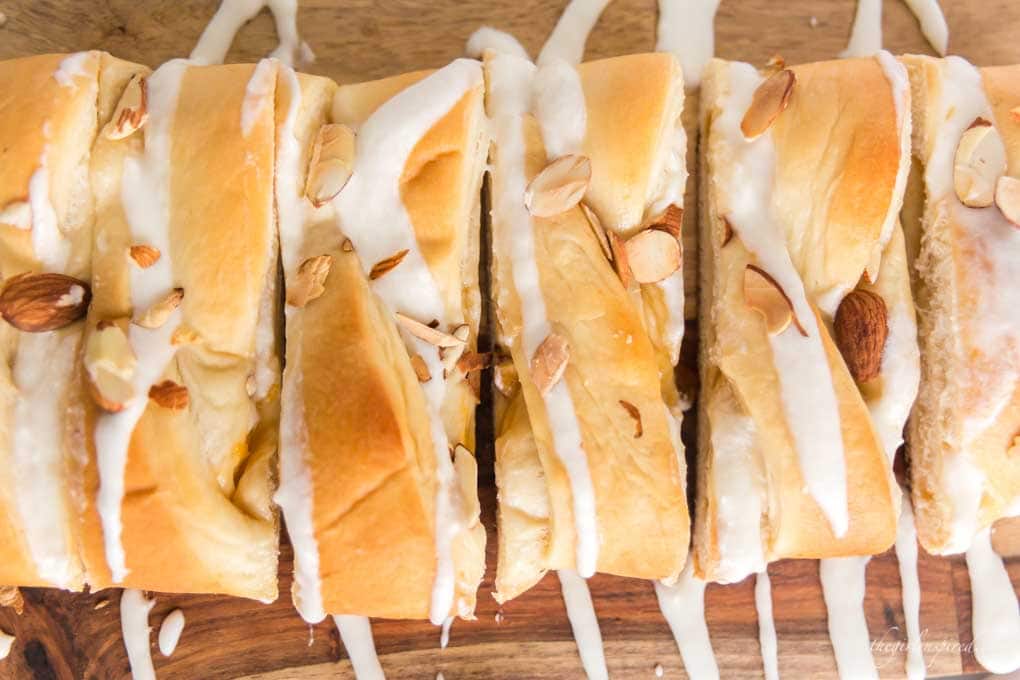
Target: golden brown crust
[
  {"x": 736, "y": 354},
  {"x": 198, "y": 478},
  {"x": 951, "y": 278}
]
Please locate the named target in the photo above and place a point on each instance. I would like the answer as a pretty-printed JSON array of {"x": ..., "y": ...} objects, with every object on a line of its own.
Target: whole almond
[
  {"x": 763, "y": 294},
  {"x": 979, "y": 163},
  {"x": 309, "y": 281},
  {"x": 1007, "y": 198},
  {"x": 653, "y": 255},
  {"x": 861, "y": 326},
  {"x": 37, "y": 303},
  {"x": 769, "y": 100},
  {"x": 156, "y": 315},
  {"x": 332, "y": 163},
  {"x": 383, "y": 267},
  {"x": 559, "y": 187},
  {"x": 144, "y": 256},
  {"x": 110, "y": 364},
  {"x": 132, "y": 110},
  {"x": 169, "y": 394},
  {"x": 549, "y": 362}
]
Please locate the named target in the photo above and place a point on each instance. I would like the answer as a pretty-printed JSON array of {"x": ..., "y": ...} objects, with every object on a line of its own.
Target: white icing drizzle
[
  {"x": 843, "y": 585},
  {"x": 558, "y": 104},
  {"x": 584, "y": 624},
  {"x": 488, "y": 38},
  {"x": 170, "y": 632},
  {"x": 896, "y": 73},
  {"x": 356, "y": 634},
  {"x": 509, "y": 95},
  {"x": 219, "y": 33},
  {"x": 6, "y": 642},
  {"x": 995, "y": 615},
  {"x": 933, "y": 23},
  {"x": 72, "y": 66},
  {"x": 739, "y": 492},
  {"x": 766, "y": 626},
  {"x": 257, "y": 94},
  {"x": 906, "y": 556},
  {"x": 997, "y": 329},
  {"x": 294, "y": 495},
  {"x": 805, "y": 381},
  {"x": 145, "y": 194},
  {"x": 48, "y": 242},
  {"x": 866, "y": 34},
  {"x": 687, "y": 29},
  {"x": 372, "y": 214},
  {"x": 571, "y": 32},
  {"x": 683, "y": 606},
  {"x": 134, "y": 624},
  {"x": 444, "y": 633}
]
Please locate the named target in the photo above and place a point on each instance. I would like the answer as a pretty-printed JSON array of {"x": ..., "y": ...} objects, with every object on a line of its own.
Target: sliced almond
[
  {"x": 309, "y": 281},
  {"x": 383, "y": 267},
  {"x": 559, "y": 187},
  {"x": 36, "y": 303},
  {"x": 110, "y": 364},
  {"x": 183, "y": 335},
  {"x": 17, "y": 214},
  {"x": 461, "y": 332},
  {"x": 427, "y": 333},
  {"x": 144, "y": 256},
  {"x": 621, "y": 263},
  {"x": 671, "y": 221},
  {"x": 727, "y": 233},
  {"x": 861, "y": 326},
  {"x": 653, "y": 255},
  {"x": 132, "y": 110},
  {"x": 769, "y": 100},
  {"x": 169, "y": 394},
  {"x": 980, "y": 161},
  {"x": 347, "y": 246},
  {"x": 634, "y": 413},
  {"x": 598, "y": 230},
  {"x": 549, "y": 362},
  {"x": 421, "y": 369},
  {"x": 763, "y": 294},
  {"x": 156, "y": 315},
  {"x": 473, "y": 361},
  {"x": 1007, "y": 198},
  {"x": 332, "y": 163}
]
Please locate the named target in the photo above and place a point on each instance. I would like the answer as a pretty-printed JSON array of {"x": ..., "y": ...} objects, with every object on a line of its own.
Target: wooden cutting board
[{"x": 78, "y": 636}]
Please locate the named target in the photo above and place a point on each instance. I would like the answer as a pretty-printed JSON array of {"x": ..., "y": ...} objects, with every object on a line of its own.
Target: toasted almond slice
[
  {"x": 309, "y": 281},
  {"x": 727, "y": 233},
  {"x": 36, "y": 303},
  {"x": 17, "y": 214},
  {"x": 383, "y": 267},
  {"x": 980, "y": 161},
  {"x": 769, "y": 100},
  {"x": 634, "y": 413},
  {"x": 183, "y": 335},
  {"x": 110, "y": 364},
  {"x": 559, "y": 187},
  {"x": 861, "y": 326},
  {"x": 1007, "y": 198},
  {"x": 473, "y": 361},
  {"x": 421, "y": 369},
  {"x": 549, "y": 362},
  {"x": 332, "y": 163},
  {"x": 598, "y": 230},
  {"x": 428, "y": 334},
  {"x": 169, "y": 394},
  {"x": 621, "y": 263},
  {"x": 132, "y": 110},
  {"x": 653, "y": 255},
  {"x": 156, "y": 315},
  {"x": 347, "y": 246},
  {"x": 144, "y": 256},
  {"x": 671, "y": 221},
  {"x": 462, "y": 332},
  {"x": 763, "y": 294}
]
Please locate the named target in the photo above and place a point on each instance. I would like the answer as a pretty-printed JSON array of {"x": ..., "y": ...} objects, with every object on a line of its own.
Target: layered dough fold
[
  {"x": 808, "y": 345},
  {"x": 589, "y": 465},
  {"x": 965, "y": 244}
]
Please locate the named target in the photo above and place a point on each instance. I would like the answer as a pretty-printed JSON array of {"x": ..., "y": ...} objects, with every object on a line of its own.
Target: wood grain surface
[{"x": 76, "y": 637}]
